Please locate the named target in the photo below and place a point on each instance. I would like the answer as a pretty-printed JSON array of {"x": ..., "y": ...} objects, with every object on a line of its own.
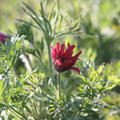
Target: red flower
[
  {"x": 3, "y": 37},
  {"x": 63, "y": 59}
]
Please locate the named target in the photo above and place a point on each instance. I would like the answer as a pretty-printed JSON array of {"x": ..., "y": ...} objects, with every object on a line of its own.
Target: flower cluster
[{"x": 63, "y": 58}]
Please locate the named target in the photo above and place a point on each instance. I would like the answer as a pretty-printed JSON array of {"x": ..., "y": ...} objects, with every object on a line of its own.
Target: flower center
[{"x": 62, "y": 59}]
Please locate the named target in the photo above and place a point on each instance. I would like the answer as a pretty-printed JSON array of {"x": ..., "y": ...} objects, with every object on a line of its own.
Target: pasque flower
[
  {"x": 3, "y": 37},
  {"x": 63, "y": 58}
]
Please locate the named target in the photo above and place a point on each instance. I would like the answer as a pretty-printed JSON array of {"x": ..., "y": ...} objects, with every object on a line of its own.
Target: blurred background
[
  {"x": 99, "y": 38},
  {"x": 99, "y": 19}
]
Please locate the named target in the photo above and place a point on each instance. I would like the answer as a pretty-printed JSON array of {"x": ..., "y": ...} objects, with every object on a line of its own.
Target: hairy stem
[
  {"x": 50, "y": 59},
  {"x": 58, "y": 5},
  {"x": 59, "y": 85}
]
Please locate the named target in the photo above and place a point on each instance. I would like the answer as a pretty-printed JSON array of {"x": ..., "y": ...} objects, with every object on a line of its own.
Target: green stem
[
  {"x": 38, "y": 54},
  {"x": 58, "y": 5},
  {"x": 50, "y": 59},
  {"x": 59, "y": 85}
]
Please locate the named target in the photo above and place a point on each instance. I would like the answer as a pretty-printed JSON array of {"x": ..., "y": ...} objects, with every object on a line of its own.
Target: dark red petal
[
  {"x": 57, "y": 46},
  {"x": 68, "y": 45},
  {"x": 69, "y": 51},
  {"x": 54, "y": 53},
  {"x": 62, "y": 49},
  {"x": 74, "y": 58},
  {"x": 75, "y": 69}
]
